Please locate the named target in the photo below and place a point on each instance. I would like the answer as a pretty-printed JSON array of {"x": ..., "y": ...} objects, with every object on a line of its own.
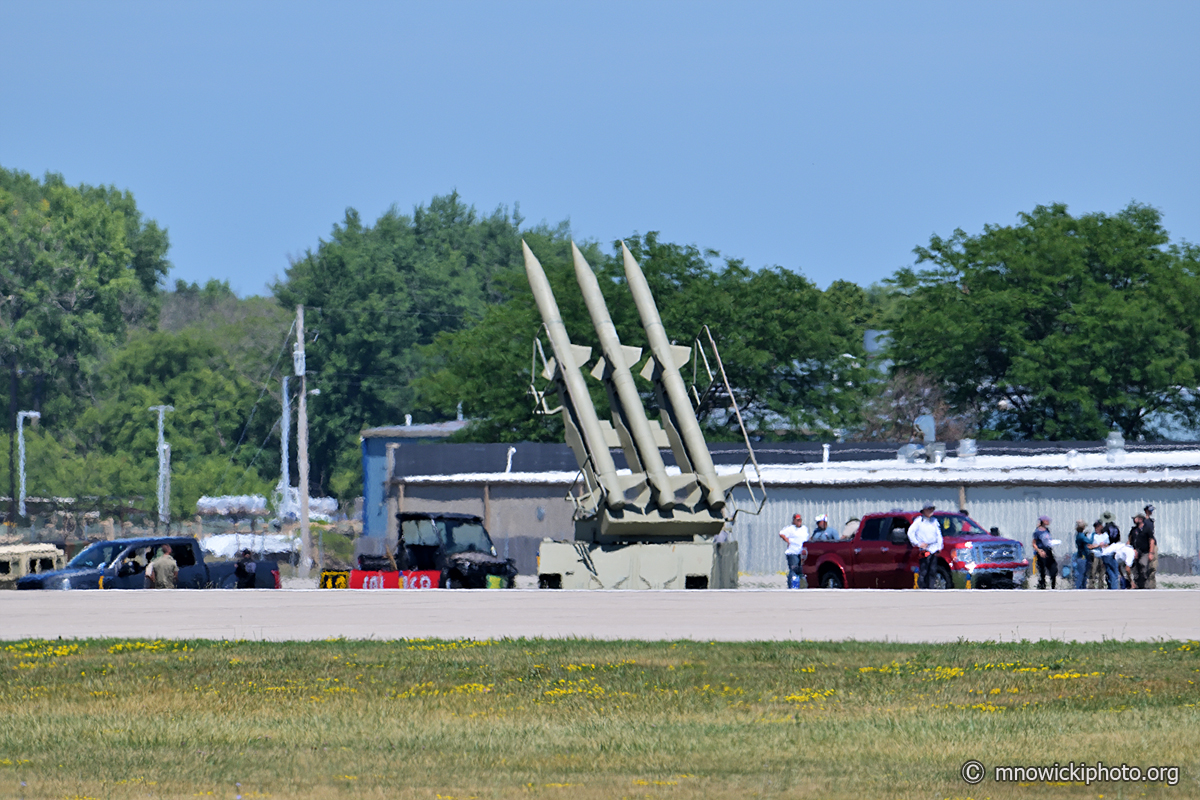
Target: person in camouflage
[{"x": 163, "y": 571}]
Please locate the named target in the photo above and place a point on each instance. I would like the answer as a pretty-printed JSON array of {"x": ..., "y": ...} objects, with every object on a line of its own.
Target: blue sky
[{"x": 826, "y": 138}]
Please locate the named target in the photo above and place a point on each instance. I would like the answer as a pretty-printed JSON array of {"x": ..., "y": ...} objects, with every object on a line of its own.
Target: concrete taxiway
[{"x": 827, "y": 615}]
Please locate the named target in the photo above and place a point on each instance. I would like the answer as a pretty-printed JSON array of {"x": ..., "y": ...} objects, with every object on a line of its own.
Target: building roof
[
  {"x": 1045, "y": 465},
  {"x": 430, "y": 430}
]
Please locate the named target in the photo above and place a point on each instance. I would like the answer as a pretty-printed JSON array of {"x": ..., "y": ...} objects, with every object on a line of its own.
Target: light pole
[
  {"x": 164, "y": 468},
  {"x": 285, "y": 435},
  {"x": 33, "y": 417}
]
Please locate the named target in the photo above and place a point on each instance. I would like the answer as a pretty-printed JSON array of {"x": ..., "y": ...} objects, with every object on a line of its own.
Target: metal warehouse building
[{"x": 520, "y": 490}]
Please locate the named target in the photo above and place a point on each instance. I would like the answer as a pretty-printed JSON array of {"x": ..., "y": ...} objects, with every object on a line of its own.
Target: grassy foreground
[{"x": 577, "y": 719}]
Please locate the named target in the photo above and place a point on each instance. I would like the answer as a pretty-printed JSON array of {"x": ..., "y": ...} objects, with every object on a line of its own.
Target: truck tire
[
  {"x": 941, "y": 579},
  {"x": 832, "y": 579}
]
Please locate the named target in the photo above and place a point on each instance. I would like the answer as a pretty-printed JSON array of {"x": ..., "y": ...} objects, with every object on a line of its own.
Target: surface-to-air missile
[
  {"x": 651, "y": 528},
  {"x": 614, "y": 370},
  {"x": 678, "y": 416},
  {"x": 584, "y": 433}
]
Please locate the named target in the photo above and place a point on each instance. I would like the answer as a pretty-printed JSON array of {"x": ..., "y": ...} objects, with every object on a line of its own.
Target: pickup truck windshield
[
  {"x": 96, "y": 555},
  {"x": 955, "y": 524}
]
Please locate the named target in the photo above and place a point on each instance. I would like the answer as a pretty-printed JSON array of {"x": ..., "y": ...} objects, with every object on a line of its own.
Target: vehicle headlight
[{"x": 66, "y": 583}]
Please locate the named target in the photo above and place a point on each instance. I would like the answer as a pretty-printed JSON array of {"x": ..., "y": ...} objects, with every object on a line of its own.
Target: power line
[{"x": 246, "y": 427}]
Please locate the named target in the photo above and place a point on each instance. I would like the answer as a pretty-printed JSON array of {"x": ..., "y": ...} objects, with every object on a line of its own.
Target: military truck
[
  {"x": 651, "y": 527},
  {"x": 19, "y": 560}
]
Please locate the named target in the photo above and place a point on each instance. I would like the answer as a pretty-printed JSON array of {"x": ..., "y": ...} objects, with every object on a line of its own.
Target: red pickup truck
[{"x": 879, "y": 556}]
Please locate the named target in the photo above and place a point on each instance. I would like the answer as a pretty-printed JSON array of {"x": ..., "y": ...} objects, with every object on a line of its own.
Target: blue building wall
[{"x": 374, "y": 464}]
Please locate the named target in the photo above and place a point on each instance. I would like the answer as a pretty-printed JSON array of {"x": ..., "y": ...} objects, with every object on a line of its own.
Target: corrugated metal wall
[{"x": 1013, "y": 509}]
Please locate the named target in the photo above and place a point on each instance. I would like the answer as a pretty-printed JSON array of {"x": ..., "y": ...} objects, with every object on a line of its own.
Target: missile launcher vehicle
[{"x": 651, "y": 526}]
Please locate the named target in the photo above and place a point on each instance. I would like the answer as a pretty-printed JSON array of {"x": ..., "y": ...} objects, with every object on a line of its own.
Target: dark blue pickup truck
[{"x": 121, "y": 564}]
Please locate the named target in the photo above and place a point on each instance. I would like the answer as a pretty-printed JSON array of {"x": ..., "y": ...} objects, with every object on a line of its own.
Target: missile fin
[
  {"x": 648, "y": 370},
  {"x": 682, "y": 355},
  {"x": 598, "y": 370},
  {"x": 727, "y": 482},
  {"x": 582, "y": 354},
  {"x": 631, "y": 480},
  {"x": 660, "y": 436},
  {"x": 632, "y": 355},
  {"x": 610, "y": 434}
]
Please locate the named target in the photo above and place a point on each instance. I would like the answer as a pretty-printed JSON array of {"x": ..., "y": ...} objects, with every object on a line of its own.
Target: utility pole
[
  {"x": 164, "y": 469},
  {"x": 302, "y": 442},
  {"x": 33, "y": 417},
  {"x": 12, "y": 449}
]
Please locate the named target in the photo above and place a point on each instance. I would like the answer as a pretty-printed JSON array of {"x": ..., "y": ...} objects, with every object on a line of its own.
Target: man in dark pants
[
  {"x": 1141, "y": 538},
  {"x": 1082, "y": 565},
  {"x": 925, "y": 535},
  {"x": 1046, "y": 563}
]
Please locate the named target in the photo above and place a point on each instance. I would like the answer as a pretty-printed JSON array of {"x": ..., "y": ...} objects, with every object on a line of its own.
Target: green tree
[
  {"x": 374, "y": 296},
  {"x": 77, "y": 267},
  {"x": 791, "y": 362},
  {"x": 212, "y": 406},
  {"x": 487, "y": 366},
  {"x": 1078, "y": 324}
]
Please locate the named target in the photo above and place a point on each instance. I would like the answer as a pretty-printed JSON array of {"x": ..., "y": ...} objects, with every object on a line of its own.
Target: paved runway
[{"x": 905, "y": 616}]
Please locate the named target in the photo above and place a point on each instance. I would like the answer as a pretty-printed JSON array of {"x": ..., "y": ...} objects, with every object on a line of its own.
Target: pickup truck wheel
[
  {"x": 941, "y": 579},
  {"x": 832, "y": 579}
]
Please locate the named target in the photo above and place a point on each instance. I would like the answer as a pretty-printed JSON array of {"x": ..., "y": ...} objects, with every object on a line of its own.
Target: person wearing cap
[
  {"x": 1084, "y": 556},
  {"x": 795, "y": 535},
  {"x": 824, "y": 533},
  {"x": 925, "y": 535},
  {"x": 1142, "y": 540},
  {"x": 1047, "y": 565}
]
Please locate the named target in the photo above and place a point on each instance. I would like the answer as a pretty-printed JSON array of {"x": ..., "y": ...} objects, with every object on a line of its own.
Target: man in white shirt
[
  {"x": 925, "y": 535},
  {"x": 795, "y": 535}
]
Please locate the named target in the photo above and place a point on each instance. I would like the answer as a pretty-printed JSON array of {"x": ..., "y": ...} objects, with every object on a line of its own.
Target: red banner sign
[{"x": 413, "y": 579}]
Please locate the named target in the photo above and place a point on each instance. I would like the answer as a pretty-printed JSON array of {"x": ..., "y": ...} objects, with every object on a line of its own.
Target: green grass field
[{"x": 579, "y": 719}]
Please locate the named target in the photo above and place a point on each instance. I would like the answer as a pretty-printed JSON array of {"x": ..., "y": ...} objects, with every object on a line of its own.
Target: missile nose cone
[{"x": 530, "y": 258}]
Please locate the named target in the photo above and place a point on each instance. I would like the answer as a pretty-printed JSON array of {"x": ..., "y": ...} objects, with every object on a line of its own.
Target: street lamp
[{"x": 33, "y": 417}]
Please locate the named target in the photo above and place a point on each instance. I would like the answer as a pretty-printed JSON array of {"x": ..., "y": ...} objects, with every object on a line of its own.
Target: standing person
[
  {"x": 1082, "y": 565},
  {"x": 163, "y": 571},
  {"x": 1104, "y": 566},
  {"x": 925, "y": 535},
  {"x": 1046, "y": 563},
  {"x": 795, "y": 535},
  {"x": 1141, "y": 538},
  {"x": 823, "y": 533},
  {"x": 245, "y": 570},
  {"x": 1149, "y": 522}
]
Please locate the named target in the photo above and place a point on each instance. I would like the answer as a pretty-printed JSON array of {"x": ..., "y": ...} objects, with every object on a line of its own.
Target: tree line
[{"x": 1053, "y": 327}]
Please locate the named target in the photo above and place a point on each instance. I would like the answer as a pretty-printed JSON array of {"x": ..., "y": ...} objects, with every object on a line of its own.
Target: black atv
[{"x": 455, "y": 545}]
